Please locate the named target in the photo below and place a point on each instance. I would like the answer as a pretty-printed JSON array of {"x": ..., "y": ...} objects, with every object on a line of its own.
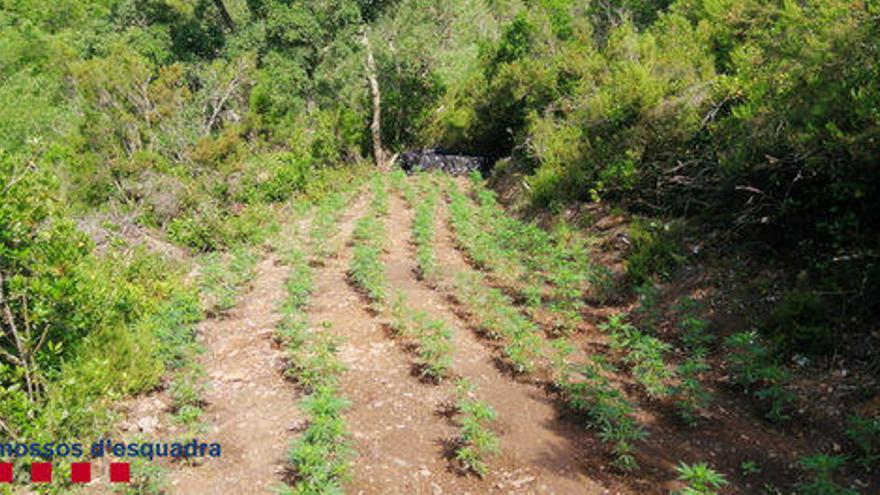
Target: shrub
[
  {"x": 701, "y": 479},
  {"x": 801, "y": 324},
  {"x": 821, "y": 468},
  {"x": 476, "y": 441},
  {"x": 755, "y": 369},
  {"x": 96, "y": 320},
  {"x": 654, "y": 251},
  {"x": 865, "y": 434}
]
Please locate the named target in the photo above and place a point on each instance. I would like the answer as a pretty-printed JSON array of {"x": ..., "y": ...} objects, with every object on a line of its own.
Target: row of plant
[
  {"x": 691, "y": 397},
  {"x": 755, "y": 368},
  {"x": 646, "y": 357},
  {"x": 221, "y": 280},
  {"x": 175, "y": 326},
  {"x": 549, "y": 272},
  {"x": 476, "y": 441},
  {"x": 424, "y": 204},
  {"x": 433, "y": 339},
  {"x": 481, "y": 246},
  {"x": 223, "y": 277},
  {"x": 497, "y": 318},
  {"x": 643, "y": 353},
  {"x": 586, "y": 388},
  {"x": 399, "y": 183},
  {"x": 583, "y": 387},
  {"x": 367, "y": 270},
  {"x": 320, "y": 457},
  {"x": 325, "y": 224}
]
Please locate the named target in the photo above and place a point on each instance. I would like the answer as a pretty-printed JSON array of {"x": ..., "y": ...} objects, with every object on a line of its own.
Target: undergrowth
[
  {"x": 497, "y": 318},
  {"x": 367, "y": 270},
  {"x": 434, "y": 346},
  {"x": 223, "y": 277},
  {"x": 320, "y": 457},
  {"x": 585, "y": 388},
  {"x": 476, "y": 442}
]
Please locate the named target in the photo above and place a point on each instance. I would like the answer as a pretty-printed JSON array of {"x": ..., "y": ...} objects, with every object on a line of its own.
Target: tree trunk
[
  {"x": 376, "y": 124},
  {"x": 227, "y": 19}
]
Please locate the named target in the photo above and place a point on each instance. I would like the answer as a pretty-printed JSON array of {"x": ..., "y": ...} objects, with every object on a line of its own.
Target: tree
[
  {"x": 224, "y": 14},
  {"x": 375, "y": 92}
]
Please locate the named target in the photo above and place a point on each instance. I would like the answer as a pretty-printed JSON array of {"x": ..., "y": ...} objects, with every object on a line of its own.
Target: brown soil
[
  {"x": 403, "y": 438},
  {"x": 250, "y": 406},
  {"x": 398, "y": 436},
  {"x": 540, "y": 452},
  {"x": 735, "y": 430}
]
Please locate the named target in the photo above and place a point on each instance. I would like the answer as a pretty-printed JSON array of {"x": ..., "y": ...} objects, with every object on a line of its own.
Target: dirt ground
[{"x": 401, "y": 434}]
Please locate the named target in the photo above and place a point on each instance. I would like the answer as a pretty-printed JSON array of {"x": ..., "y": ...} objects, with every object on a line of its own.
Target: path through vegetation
[
  {"x": 249, "y": 408},
  {"x": 391, "y": 353}
]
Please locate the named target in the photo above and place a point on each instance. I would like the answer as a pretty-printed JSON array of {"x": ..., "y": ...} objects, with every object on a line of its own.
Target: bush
[
  {"x": 757, "y": 371},
  {"x": 822, "y": 468},
  {"x": 86, "y": 323},
  {"x": 801, "y": 324},
  {"x": 701, "y": 479},
  {"x": 865, "y": 433},
  {"x": 654, "y": 252}
]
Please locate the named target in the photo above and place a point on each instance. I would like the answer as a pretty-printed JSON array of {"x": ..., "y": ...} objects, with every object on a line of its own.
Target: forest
[{"x": 664, "y": 281}]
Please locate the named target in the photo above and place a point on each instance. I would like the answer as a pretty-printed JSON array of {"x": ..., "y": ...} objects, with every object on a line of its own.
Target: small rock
[
  {"x": 523, "y": 481},
  {"x": 148, "y": 424}
]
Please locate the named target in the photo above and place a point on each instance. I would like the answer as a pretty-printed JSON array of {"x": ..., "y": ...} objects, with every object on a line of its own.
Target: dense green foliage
[
  {"x": 148, "y": 146},
  {"x": 757, "y": 118},
  {"x": 131, "y": 124}
]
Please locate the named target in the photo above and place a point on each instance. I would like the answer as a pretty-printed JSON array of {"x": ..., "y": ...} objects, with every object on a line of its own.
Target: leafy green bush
[
  {"x": 755, "y": 369},
  {"x": 654, "y": 251},
  {"x": 801, "y": 324},
  {"x": 75, "y": 315},
  {"x": 701, "y": 479},
  {"x": 476, "y": 441},
  {"x": 865, "y": 433},
  {"x": 274, "y": 178},
  {"x": 585, "y": 388},
  {"x": 822, "y": 468}
]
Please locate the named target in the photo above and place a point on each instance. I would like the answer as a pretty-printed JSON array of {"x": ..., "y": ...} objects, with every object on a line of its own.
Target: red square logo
[
  {"x": 5, "y": 472},
  {"x": 120, "y": 472},
  {"x": 41, "y": 472},
  {"x": 81, "y": 472}
]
